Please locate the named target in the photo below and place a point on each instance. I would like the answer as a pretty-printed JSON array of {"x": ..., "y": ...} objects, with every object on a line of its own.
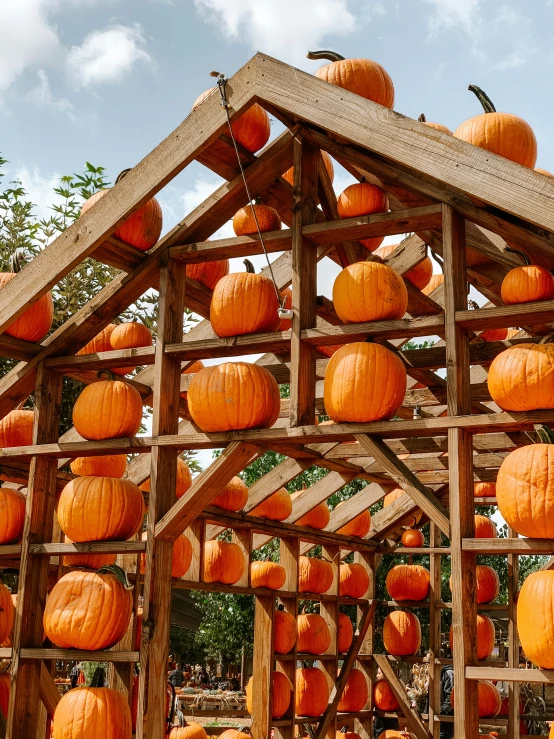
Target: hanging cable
[{"x": 284, "y": 313}]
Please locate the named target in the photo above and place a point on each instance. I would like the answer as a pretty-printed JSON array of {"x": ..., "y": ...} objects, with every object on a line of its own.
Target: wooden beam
[
  {"x": 415, "y": 724},
  {"x": 509, "y": 674},
  {"x": 49, "y": 693},
  {"x": 264, "y": 608}
]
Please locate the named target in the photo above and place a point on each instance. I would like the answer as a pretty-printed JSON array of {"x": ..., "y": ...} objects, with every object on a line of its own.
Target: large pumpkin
[
  {"x": 16, "y": 429},
  {"x": 412, "y": 538},
  {"x": 535, "y": 624},
  {"x": 12, "y": 515},
  {"x": 369, "y": 291},
  {"x": 267, "y": 575},
  {"x": 91, "y": 561},
  {"x": 401, "y": 633},
  {"x": 363, "y": 382},
  {"x": 361, "y": 76},
  {"x": 327, "y": 161},
  {"x": 208, "y": 273},
  {"x": 353, "y": 580},
  {"x": 244, "y": 220},
  {"x": 233, "y": 497},
  {"x": 521, "y": 378},
  {"x": 484, "y": 527},
  {"x": 281, "y": 692},
  {"x": 418, "y": 275},
  {"x": 314, "y": 636},
  {"x": 184, "y": 479},
  {"x": 181, "y": 557},
  {"x": 314, "y": 575},
  {"x": 88, "y": 610},
  {"x": 277, "y": 507},
  {"x": 487, "y": 584},
  {"x": 235, "y": 734},
  {"x": 109, "y": 465},
  {"x": 345, "y": 633},
  {"x": 100, "y": 509},
  {"x": 130, "y": 336},
  {"x": 7, "y": 612},
  {"x": 190, "y": 730},
  {"x": 488, "y": 699},
  {"x": 317, "y": 518},
  {"x": 223, "y": 562},
  {"x": 408, "y": 582},
  {"x": 355, "y": 693},
  {"x": 359, "y": 526},
  {"x": 361, "y": 199},
  {"x": 485, "y": 636},
  {"x": 312, "y": 691},
  {"x": 35, "y": 322},
  {"x": 109, "y": 409},
  {"x": 251, "y": 129},
  {"x": 484, "y": 489},
  {"x": 244, "y": 303},
  {"x": 500, "y": 133},
  {"x": 527, "y": 284},
  {"x": 383, "y": 697},
  {"x": 93, "y": 711},
  {"x": 284, "y": 637},
  {"x": 233, "y": 396}
]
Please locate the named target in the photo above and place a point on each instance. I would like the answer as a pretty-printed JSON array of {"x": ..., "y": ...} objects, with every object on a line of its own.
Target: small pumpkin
[
  {"x": 394, "y": 495},
  {"x": 485, "y": 636},
  {"x": 369, "y": 291},
  {"x": 35, "y": 322},
  {"x": 277, "y": 507},
  {"x": 353, "y": 580},
  {"x": 408, "y": 582},
  {"x": 251, "y": 129},
  {"x": 436, "y": 126},
  {"x": 284, "y": 637},
  {"x": 355, "y": 694},
  {"x": 359, "y": 526},
  {"x": 281, "y": 692},
  {"x": 181, "y": 557},
  {"x": 90, "y": 561},
  {"x": 527, "y": 284},
  {"x": 267, "y": 575},
  {"x": 244, "y": 303},
  {"x": 419, "y": 275},
  {"x": 208, "y": 273},
  {"x": 317, "y": 518},
  {"x": 488, "y": 699},
  {"x": 233, "y": 497},
  {"x": 16, "y": 428},
  {"x": 7, "y": 612},
  {"x": 345, "y": 633},
  {"x": 327, "y": 161},
  {"x": 109, "y": 409},
  {"x": 494, "y": 334},
  {"x": 190, "y": 730},
  {"x": 401, "y": 633},
  {"x": 383, "y": 697},
  {"x": 223, "y": 562},
  {"x": 184, "y": 479},
  {"x": 484, "y": 527},
  {"x": 235, "y": 734},
  {"x": 535, "y": 625},
  {"x": 412, "y": 538},
  {"x": 500, "y": 133},
  {"x": 12, "y": 515},
  {"x": 521, "y": 378},
  {"x": 244, "y": 220},
  {"x": 363, "y": 382},
  {"x": 314, "y": 636},
  {"x": 361, "y": 76},
  {"x": 435, "y": 281},
  {"x": 129, "y": 336},
  {"x": 312, "y": 691},
  {"x": 487, "y": 584},
  {"x": 314, "y": 575},
  {"x": 233, "y": 396},
  {"x": 484, "y": 489},
  {"x": 109, "y": 465}
]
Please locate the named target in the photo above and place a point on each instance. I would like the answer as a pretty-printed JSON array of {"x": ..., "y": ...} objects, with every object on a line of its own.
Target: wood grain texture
[{"x": 415, "y": 724}]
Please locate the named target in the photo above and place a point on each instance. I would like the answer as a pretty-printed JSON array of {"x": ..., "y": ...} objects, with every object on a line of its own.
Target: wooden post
[
  {"x": 263, "y": 666},
  {"x": 462, "y": 510},
  {"x": 513, "y": 641},
  {"x": 289, "y": 554},
  {"x": 434, "y": 631},
  {"x": 154, "y": 650},
  {"x": 329, "y": 609},
  {"x": 33, "y": 574},
  {"x": 364, "y": 726}
]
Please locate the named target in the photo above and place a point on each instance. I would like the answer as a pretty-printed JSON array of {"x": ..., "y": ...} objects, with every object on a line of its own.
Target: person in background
[
  {"x": 74, "y": 675},
  {"x": 447, "y": 685},
  {"x": 382, "y": 723},
  {"x": 176, "y": 677}
]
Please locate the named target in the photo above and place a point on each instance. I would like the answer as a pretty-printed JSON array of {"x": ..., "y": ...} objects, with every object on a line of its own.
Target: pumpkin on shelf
[
  {"x": 412, "y": 538},
  {"x": 401, "y": 633},
  {"x": 192, "y": 370},
  {"x": 223, "y": 562},
  {"x": 360, "y": 76},
  {"x": 131, "y": 335},
  {"x": 101, "y": 342},
  {"x": 312, "y": 691},
  {"x": 345, "y": 633},
  {"x": 191, "y": 730},
  {"x": 181, "y": 557},
  {"x": 521, "y": 378},
  {"x": 355, "y": 694},
  {"x": 232, "y": 396},
  {"x": 436, "y": 281},
  {"x": 530, "y": 283},
  {"x": 109, "y": 465},
  {"x": 7, "y": 612},
  {"x": 484, "y": 489},
  {"x": 244, "y": 220},
  {"x": 284, "y": 637},
  {"x": 267, "y": 575},
  {"x": 314, "y": 575},
  {"x": 436, "y": 126},
  {"x": 487, "y": 584},
  {"x": 494, "y": 334},
  {"x": 500, "y": 133},
  {"x": 362, "y": 199},
  {"x": 359, "y": 526},
  {"x": 184, "y": 479},
  {"x": 383, "y": 697},
  {"x": 534, "y": 618},
  {"x": 35, "y": 322},
  {"x": 233, "y": 497},
  {"x": 143, "y": 228},
  {"x": 89, "y": 610},
  {"x": 369, "y": 291},
  {"x": 327, "y": 161},
  {"x": 244, "y": 303},
  {"x": 363, "y": 382},
  {"x": 100, "y": 509},
  {"x": 317, "y": 518},
  {"x": 486, "y": 635},
  {"x": 108, "y": 409},
  {"x": 12, "y": 515},
  {"x": 345, "y": 734},
  {"x": 408, "y": 582},
  {"x": 314, "y": 636},
  {"x": 484, "y": 527},
  {"x": 251, "y": 129},
  {"x": 353, "y": 580},
  {"x": 208, "y": 273},
  {"x": 236, "y": 734},
  {"x": 418, "y": 275},
  {"x": 277, "y": 507},
  {"x": 16, "y": 428},
  {"x": 281, "y": 692},
  {"x": 84, "y": 559},
  {"x": 394, "y": 495},
  {"x": 285, "y": 324},
  {"x": 488, "y": 699}
]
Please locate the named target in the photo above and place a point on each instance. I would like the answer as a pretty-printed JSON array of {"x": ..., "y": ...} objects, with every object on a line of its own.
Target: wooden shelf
[
  {"x": 509, "y": 674},
  {"x": 509, "y": 546}
]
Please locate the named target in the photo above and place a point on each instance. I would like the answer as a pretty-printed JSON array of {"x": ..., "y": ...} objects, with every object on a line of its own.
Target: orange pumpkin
[
  {"x": 527, "y": 284},
  {"x": 233, "y": 396},
  {"x": 314, "y": 636},
  {"x": 101, "y": 342},
  {"x": 184, "y": 479},
  {"x": 129, "y": 336},
  {"x": 35, "y": 322},
  {"x": 383, "y": 697},
  {"x": 355, "y": 693},
  {"x": 369, "y": 291},
  {"x": 521, "y": 378},
  {"x": 314, "y": 575},
  {"x": 434, "y": 282},
  {"x": 361, "y": 76},
  {"x": 487, "y": 584},
  {"x": 235, "y": 734},
  {"x": 12, "y": 515},
  {"x": 88, "y": 610},
  {"x": 361, "y": 199},
  {"x": 494, "y": 334},
  {"x": 348, "y": 735},
  {"x": 267, "y": 575},
  {"x": 109, "y": 409},
  {"x": 208, "y": 273},
  {"x": 7, "y": 612},
  {"x": 281, "y": 692},
  {"x": 353, "y": 580},
  {"x": 394, "y": 495},
  {"x": 223, "y": 562},
  {"x": 284, "y": 637},
  {"x": 100, "y": 509},
  {"x": 401, "y": 633},
  {"x": 181, "y": 557},
  {"x": 317, "y": 518},
  {"x": 394, "y": 734},
  {"x": 534, "y": 618},
  {"x": 233, "y": 497},
  {"x": 286, "y": 302},
  {"x": 5, "y": 684},
  {"x": 545, "y": 172},
  {"x": 312, "y": 691},
  {"x": 190, "y": 730},
  {"x": 412, "y": 538},
  {"x": 484, "y": 489},
  {"x": 251, "y": 129},
  {"x": 91, "y": 561},
  {"x": 484, "y": 528},
  {"x": 408, "y": 582},
  {"x": 16, "y": 429},
  {"x": 244, "y": 303},
  {"x": 359, "y": 526},
  {"x": 363, "y": 382},
  {"x": 110, "y": 465},
  {"x": 244, "y": 220},
  {"x": 488, "y": 698},
  {"x": 327, "y": 161},
  {"x": 436, "y": 126},
  {"x": 418, "y": 275},
  {"x": 345, "y": 633},
  {"x": 277, "y": 507},
  {"x": 500, "y": 133},
  {"x": 485, "y": 636}
]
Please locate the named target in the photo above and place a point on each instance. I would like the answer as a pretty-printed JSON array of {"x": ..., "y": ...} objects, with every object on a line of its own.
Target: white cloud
[
  {"x": 107, "y": 55},
  {"x": 286, "y": 29},
  {"x": 42, "y": 95},
  {"x": 40, "y": 189},
  {"x": 449, "y": 14}
]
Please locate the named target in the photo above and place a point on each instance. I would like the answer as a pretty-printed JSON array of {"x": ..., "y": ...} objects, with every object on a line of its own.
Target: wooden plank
[
  {"x": 509, "y": 546},
  {"x": 415, "y": 724},
  {"x": 49, "y": 693},
  {"x": 101, "y": 655},
  {"x": 263, "y": 666},
  {"x": 513, "y": 642},
  {"x": 505, "y": 316},
  {"x": 33, "y": 577},
  {"x": 510, "y": 674},
  {"x": 403, "y": 328},
  {"x": 96, "y": 547}
]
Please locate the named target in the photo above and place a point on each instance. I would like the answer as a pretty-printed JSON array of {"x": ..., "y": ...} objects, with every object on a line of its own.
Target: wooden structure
[{"x": 465, "y": 204}]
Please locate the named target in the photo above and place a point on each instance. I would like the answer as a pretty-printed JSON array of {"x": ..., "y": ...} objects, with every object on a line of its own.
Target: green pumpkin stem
[
  {"x": 97, "y": 678},
  {"x": 249, "y": 267},
  {"x": 107, "y": 373},
  {"x": 122, "y": 174},
  {"x": 483, "y": 98},
  {"x": 526, "y": 261},
  {"x": 422, "y": 118},
  {"x": 17, "y": 260},
  {"x": 118, "y": 572},
  {"x": 545, "y": 434},
  {"x": 331, "y": 56}
]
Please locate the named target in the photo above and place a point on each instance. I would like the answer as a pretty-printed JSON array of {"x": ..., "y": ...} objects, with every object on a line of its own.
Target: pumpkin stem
[
  {"x": 545, "y": 434},
  {"x": 438, "y": 259},
  {"x": 108, "y": 373},
  {"x": 331, "y": 56},
  {"x": 17, "y": 260},
  {"x": 118, "y": 572},
  {"x": 472, "y": 305},
  {"x": 122, "y": 174},
  {"x": 97, "y": 678},
  {"x": 526, "y": 261},
  {"x": 483, "y": 98},
  {"x": 249, "y": 267},
  {"x": 422, "y": 118}
]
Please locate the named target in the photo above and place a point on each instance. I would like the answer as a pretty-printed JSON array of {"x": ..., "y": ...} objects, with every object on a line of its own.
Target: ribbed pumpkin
[
  {"x": 91, "y": 561},
  {"x": 312, "y": 691},
  {"x": 395, "y": 494},
  {"x": 363, "y": 382},
  {"x": 110, "y": 465},
  {"x": 35, "y": 322},
  {"x": 484, "y": 489},
  {"x": 181, "y": 557},
  {"x": 12, "y": 515},
  {"x": 485, "y": 636},
  {"x": 267, "y": 575},
  {"x": 327, "y": 161},
  {"x": 281, "y": 692},
  {"x": 484, "y": 527},
  {"x": 223, "y": 562},
  {"x": 488, "y": 699},
  {"x": 235, "y": 734},
  {"x": 314, "y": 575},
  {"x": 88, "y": 610},
  {"x": 314, "y": 636},
  {"x": 361, "y": 76},
  {"x": 251, "y": 129},
  {"x": 142, "y": 229},
  {"x": 93, "y": 711},
  {"x": 345, "y": 633},
  {"x": 527, "y": 284},
  {"x": 5, "y": 683},
  {"x": 358, "y": 526},
  {"x": 208, "y": 273},
  {"x": 100, "y": 509},
  {"x": 487, "y": 584},
  {"x": 535, "y": 624},
  {"x": 521, "y": 378},
  {"x": 383, "y": 697},
  {"x": 233, "y": 497},
  {"x": 16, "y": 429},
  {"x": 317, "y": 518},
  {"x": 434, "y": 282},
  {"x": 360, "y": 199},
  {"x": 436, "y": 126},
  {"x": 369, "y": 291},
  {"x": 130, "y": 336},
  {"x": 355, "y": 693},
  {"x": 233, "y": 396},
  {"x": 244, "y": 303},
  {"x": 277, "y": 507},
  {"x": 401, "y": 633},
  {"x": 500, "y": 133},
  {"x": 191, "y": 730},
  {"x": 244, "y": 220},
  {"x": 7, "y": 612},
  {"x": 109, "y": 409},
  {"x": 353, "y": 580},
  {"x": 494, "y": 334},
  {"x": 408, "y": 582},
  {"x": 396, "y": 734},
  {"x": 418, "y": 275},
  {"x": 284, "y": 637},
  {"x": 184, "y": 479},
  {"x": 101, "y": 342},
  {"x": 412, "y": 538}
]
